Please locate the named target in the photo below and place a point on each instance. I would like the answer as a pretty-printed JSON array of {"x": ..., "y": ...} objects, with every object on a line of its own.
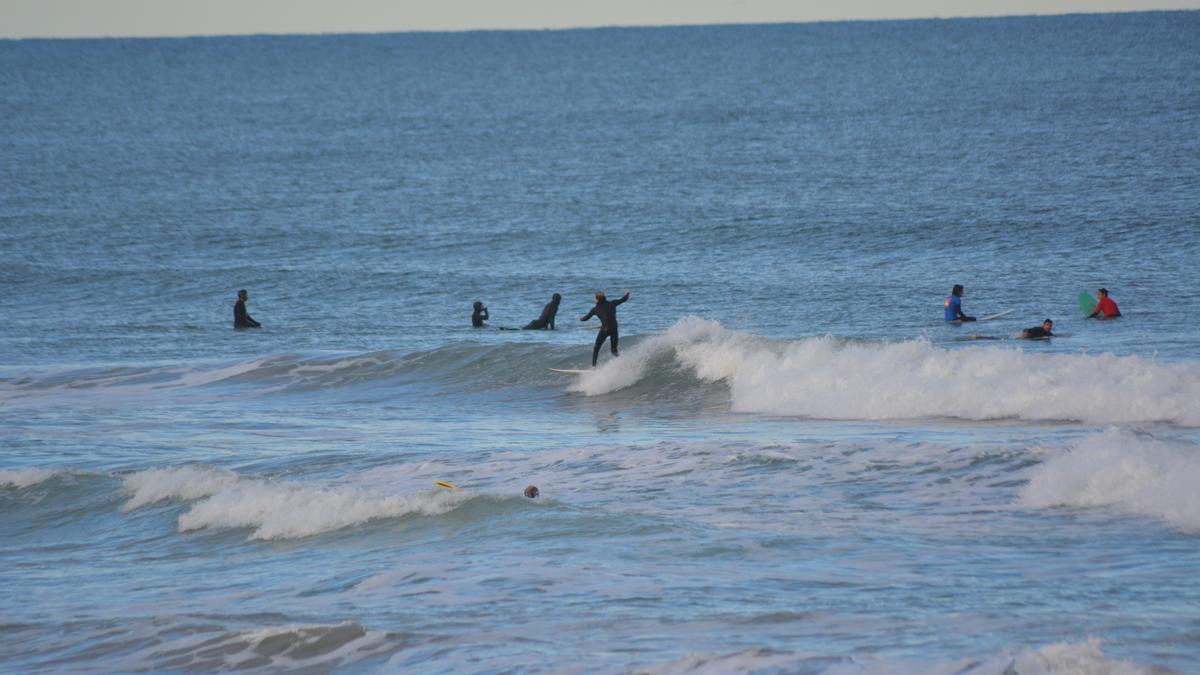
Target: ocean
[{"x": 794, "y": 465}]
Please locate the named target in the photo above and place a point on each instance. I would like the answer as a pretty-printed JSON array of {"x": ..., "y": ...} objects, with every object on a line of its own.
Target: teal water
[{"x": 794, "y": 466}]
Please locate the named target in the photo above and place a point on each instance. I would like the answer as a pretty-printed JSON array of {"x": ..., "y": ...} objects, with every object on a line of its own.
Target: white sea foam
[
  {"x": 832, "y": 379},
  {"x": 321, "y": 647},
  {"x": 275, "y": 509},
  {"x": 1125, "y": 472},
  {"x": 182, "y": 482},
  {"x": 1078, "y": 658},
  {"x": 23, "y": 478}
]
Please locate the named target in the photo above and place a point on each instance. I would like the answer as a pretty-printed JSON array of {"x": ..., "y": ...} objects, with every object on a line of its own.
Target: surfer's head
[
  {"x": 556, "y": 298},
  {"x": 478, "y": 305},
  {"x": 600, "y": 296},
  {"x": 1047, "y": 324},
  {"x": 957, "y": 290},
  {"x": 242, "y": 295},
  {"x": 1103, "y": 292},
  {"x": 531, "y": 491}
]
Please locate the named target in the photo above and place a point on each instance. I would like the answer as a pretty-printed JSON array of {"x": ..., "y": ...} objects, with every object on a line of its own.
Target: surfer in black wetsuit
[
  {"x": 606, "y": 311},
  {"x": 479, "y": 315},
  {"x": 546, "y": 320},
  {"x": 1042, "y": 331},
  {"x": 240, "y": 318}
]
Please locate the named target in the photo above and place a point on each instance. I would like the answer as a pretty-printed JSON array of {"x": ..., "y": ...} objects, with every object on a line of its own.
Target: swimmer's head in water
[
  {"x": 1047, "y": 324},
  {"x": 531, "y": 491}
]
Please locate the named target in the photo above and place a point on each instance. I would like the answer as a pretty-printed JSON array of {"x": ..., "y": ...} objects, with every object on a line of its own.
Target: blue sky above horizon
[{"x": 130, "y": 18}]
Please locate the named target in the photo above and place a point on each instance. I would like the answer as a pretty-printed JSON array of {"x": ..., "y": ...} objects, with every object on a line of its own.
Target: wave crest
[
  {"x": 1125, "y": 472},
  {"x": 276, "y": 510},
  {"x": 833, "y": 378}
]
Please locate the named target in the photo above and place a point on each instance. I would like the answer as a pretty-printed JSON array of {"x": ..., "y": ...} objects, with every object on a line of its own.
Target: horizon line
[{"x": 583, "y": 27}]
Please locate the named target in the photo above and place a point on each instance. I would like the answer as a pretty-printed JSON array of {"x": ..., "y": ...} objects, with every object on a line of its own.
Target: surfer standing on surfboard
[
  {"x": 954, "y": 305},
  {"x": 606, "y": 311}
]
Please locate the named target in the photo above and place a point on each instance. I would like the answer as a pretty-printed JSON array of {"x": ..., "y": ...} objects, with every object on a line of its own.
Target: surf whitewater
[{"x": 817, "y": 377}]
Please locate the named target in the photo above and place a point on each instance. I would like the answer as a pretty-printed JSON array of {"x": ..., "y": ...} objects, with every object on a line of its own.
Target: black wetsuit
[
  {"x": 607, "y": 313},
  {"x": 240, "y": 318},
  {"x": 479, "y": 316},
  {"x": 546, "y": 320},
  {"x": 1036, "y": 332}
]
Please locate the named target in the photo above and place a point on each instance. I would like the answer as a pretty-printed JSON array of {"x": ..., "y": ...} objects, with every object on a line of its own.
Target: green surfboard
[{"x": 1087, "y": 304}]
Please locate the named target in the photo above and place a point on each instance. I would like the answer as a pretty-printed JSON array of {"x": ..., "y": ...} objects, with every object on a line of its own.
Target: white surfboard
[
  {"x": 588, "y": 327},
  {"x": 989, "y": 317},
  {"x": 570, "y": 371}
]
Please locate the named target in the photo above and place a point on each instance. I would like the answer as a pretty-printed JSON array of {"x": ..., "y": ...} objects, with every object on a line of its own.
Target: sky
[{"x": 126, "y": 18}]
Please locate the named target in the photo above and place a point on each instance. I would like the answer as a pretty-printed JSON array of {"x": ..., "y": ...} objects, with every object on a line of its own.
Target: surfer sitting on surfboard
[
  {"x": 1042, "y": 331},
  {"x": 479, "y": 315},
  {"x": 954, "y": 305},
  {"x": 1106, "y": 308},
  {"x": 546, "y": 320},
  {"x": 606, "y": 311},
  {"x": 241, "y": 319}
]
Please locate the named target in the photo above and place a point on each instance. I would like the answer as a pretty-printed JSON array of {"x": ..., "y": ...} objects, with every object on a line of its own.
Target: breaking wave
[
  {"x": 1125, "y": 472},
  {"x": 819, "y": 377},
  {"x": 832, "y": 378},
  {"x": 275, "y": 509}
]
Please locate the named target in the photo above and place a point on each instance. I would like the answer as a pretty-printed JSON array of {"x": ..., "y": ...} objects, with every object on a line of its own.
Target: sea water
[{"x": 795, "y": 465}]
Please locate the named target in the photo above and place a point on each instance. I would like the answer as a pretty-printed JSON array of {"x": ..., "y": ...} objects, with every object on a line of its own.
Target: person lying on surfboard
[
  {"x": 480, "y": 315},
  {"x": 606, "y": 311},
  {"x": 546, "y": 320},
  {"x": 954, "y": 305},
  {"x": 1106, "y": 308},
  {"x": 1042, "y": 331}
]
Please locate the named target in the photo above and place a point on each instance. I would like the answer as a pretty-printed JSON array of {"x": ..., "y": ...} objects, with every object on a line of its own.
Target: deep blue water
[{"x": 794, "y": 466}]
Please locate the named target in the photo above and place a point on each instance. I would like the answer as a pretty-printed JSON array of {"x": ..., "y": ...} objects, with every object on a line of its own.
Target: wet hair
[
  {"x": 1049, "y": 321},
  {"x": 556, "y": 297},
  {"x": 478, "y": 305},
  {"x": 1104, "y": 291},
  {"x": 241, "y": 292},
  {"x": 600, "y": 297},
  {"x": 957, "y": 290}
]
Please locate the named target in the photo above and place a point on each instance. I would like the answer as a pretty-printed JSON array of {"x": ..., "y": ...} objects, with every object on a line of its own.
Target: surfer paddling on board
[
  {"x": 1042, "y": 331},
  {"x": 479, "y": 315},
  {"x": 606, "y": 311},
  {"x": 1106, "y": 308},
  {"x": 546, "y": 320},
  {"x": 240, "y": 318},
  {"x": 954, "y": 305}
]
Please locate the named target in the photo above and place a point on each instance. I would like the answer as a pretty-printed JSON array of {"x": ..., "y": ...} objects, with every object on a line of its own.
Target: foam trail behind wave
[
  {"x": 1126, "y": 472},
  {"x": 834, "y": 379}
]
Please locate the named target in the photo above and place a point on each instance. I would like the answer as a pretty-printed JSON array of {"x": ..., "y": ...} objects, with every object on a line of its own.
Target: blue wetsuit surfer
[{"x": 954, "y": 305}]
